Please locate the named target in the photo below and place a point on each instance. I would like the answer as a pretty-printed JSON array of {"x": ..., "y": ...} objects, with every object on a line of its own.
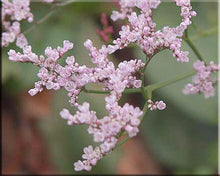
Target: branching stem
[
  {"x": 127, "y": 91},
  {"x": 192, "y": 46},
  {"x": 52, "y": 10},
  {"x": 156, "y": 86}
]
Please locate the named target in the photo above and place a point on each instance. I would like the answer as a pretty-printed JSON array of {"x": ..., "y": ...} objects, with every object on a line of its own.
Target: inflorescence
[
  {"x": 140, "y": 30},
  {"x": 203, "y": 80}
]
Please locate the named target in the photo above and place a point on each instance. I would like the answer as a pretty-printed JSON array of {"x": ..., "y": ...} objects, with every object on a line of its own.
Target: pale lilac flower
[
  {"x": 160, "y": 105},
  {"x": 21, "y": 41},
  {"x": 79, "y": 166},
  {"x": 33, "y": 92}
]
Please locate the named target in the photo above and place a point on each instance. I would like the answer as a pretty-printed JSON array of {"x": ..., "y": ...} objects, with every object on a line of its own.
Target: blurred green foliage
[{"x": 183, "y": 137}]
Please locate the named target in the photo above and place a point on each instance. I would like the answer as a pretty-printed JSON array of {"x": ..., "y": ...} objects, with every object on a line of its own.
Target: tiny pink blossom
[{"x": 161, "y": 105}]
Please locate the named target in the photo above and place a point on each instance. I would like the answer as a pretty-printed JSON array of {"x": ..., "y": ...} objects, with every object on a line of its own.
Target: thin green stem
[
  {"x": 142, "y": 87},
  {"x": 40, "y": 21},
  {"x": 192, "y": 46},
  {"x": 52, "y": 10},
  {"x": 44, "y": 18},
  {"x": 95, "y": 91},
  {"x": 171, "y": 81},
  {"x": 145, "y": 108},
  {"x": 143, "y": 78},
  {"x": 130, "y": 91},
  {"x": 126, "y": 91}
]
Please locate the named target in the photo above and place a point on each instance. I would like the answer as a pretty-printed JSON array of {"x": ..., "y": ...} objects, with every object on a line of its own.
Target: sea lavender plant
[{"x": 141, "y": 31}]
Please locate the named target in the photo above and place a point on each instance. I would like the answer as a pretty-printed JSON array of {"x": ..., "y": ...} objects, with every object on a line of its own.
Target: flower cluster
[
  {"x": 12, "y": 13},
  {"x": 91, "y": 157},
  {"x": 142, "y": 30},
  {"x": 203, "y": 81},
  {"x": 74, "y": 77},
  {"x": 105, "y": 130},
  {"x": 157, "y": 105}
]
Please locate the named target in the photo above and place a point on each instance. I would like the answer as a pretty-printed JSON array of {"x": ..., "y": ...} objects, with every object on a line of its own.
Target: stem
[
  {"x": 192, "y": 46},
  {"x": 126, "y": 91},
  {"x": 142, "y": 87},
  {"x": 171, "y": 81},
  {"x": 145, "y": 108},
  {"x": 142, "y": 79},
  {"x": 53, "y": 9},
  {"x": 40, "y": 21},
  {"x": 130, "y": 91},
  {"x": 44, "y": 18},
  {"x": 95, "y": 91}
]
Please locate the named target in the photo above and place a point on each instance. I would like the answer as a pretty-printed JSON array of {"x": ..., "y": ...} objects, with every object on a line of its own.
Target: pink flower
[
  {"x": 65, "y": 114},
  {"x": 79, "y": 166},
  {"x": 21, "y": 41},
  {"x": 33, "y": 92},
  {"x": 161, "y": 105}
]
